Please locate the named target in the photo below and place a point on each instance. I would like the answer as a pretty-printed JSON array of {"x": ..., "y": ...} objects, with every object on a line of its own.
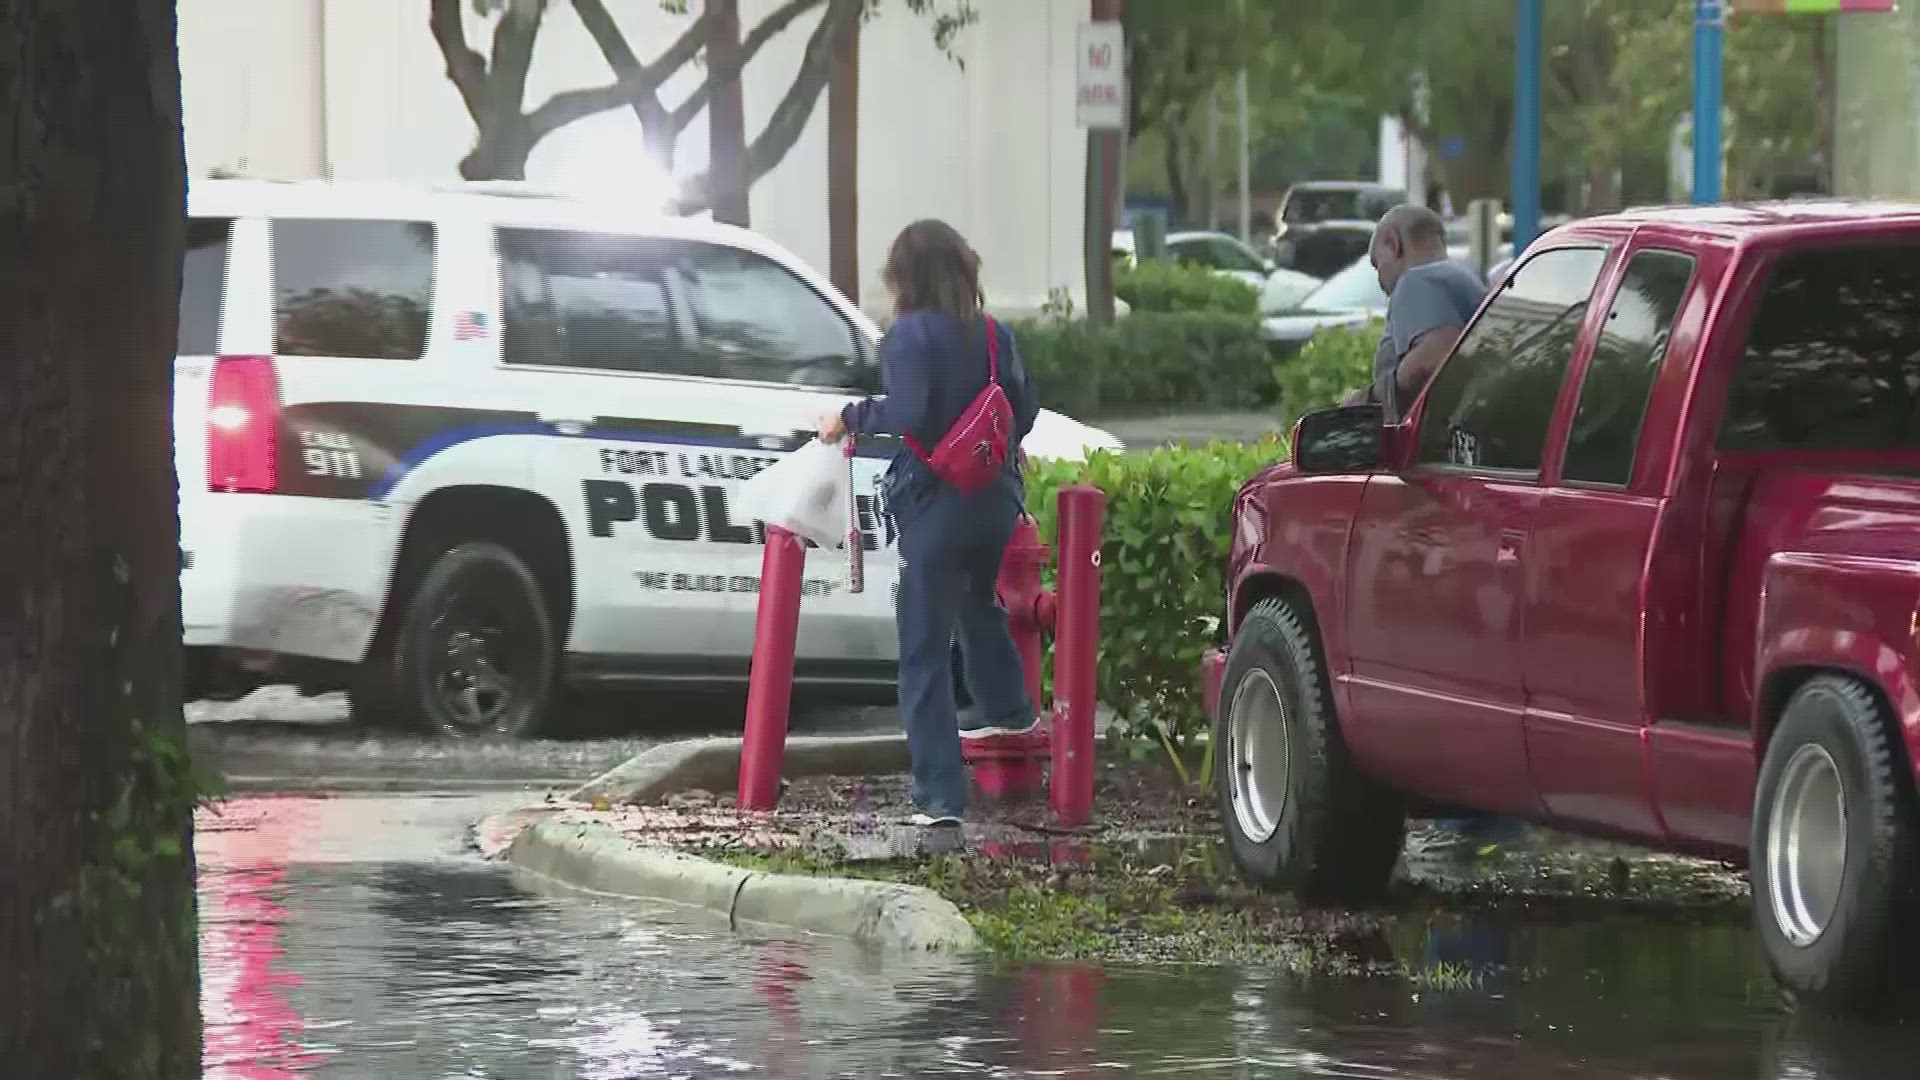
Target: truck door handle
[{"x": 1508, "y": 553}]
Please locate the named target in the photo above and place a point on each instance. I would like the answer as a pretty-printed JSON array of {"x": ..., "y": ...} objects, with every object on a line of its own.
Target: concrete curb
[
  {"x": 886, "y": 915},
  {"x": 714, "y": 765}
]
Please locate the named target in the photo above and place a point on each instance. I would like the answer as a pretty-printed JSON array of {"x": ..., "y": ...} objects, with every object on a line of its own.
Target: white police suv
[{"x": 451, "y": 448}]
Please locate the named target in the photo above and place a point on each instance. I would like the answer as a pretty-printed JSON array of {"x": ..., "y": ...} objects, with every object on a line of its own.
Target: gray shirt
[{"x": 1428, "y": 296}]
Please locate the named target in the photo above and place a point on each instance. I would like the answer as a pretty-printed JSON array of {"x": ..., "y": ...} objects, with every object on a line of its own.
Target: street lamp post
[
  {"x": 1525, "y": 178},
  {"x": 1709, "y": 23}
]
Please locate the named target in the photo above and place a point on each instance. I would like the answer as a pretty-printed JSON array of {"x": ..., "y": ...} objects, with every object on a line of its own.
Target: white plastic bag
[{"x": 809, "y": 493}]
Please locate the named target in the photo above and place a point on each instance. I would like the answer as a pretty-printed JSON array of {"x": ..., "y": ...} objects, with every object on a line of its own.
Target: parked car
[
  {"x": 1314, "y": 201},
  {"x": 1220, "y": 252},
  {"x": 1226, "y": 254},
  {"x": 1348, "y": 298},
  {"x": 1643, "y": 561},
  {"x": 1326, "y": 224},
  {"x": 1285, "y": 290},
  {"x": 451, "y": 450}
]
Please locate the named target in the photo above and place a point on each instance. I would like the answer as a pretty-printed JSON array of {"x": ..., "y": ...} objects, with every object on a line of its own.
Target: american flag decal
[{"x": 469, "y": 326}]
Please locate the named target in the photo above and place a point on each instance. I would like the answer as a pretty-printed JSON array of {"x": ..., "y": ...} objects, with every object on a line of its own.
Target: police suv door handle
[{"x": 566, "y": 425}]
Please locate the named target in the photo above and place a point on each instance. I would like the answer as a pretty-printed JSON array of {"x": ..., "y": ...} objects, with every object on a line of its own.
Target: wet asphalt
[
  {"x": 350, "y": 930},
  {"x": 359, "y": 936}
]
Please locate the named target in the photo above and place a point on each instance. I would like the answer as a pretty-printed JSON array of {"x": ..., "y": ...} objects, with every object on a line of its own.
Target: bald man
[{"x": 1430, "y": 298}]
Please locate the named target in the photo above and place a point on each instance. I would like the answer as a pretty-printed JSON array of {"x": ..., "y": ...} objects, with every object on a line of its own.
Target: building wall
[
  {"x": 356, "y": 89},
  {"x": 1877, "y": 121}
]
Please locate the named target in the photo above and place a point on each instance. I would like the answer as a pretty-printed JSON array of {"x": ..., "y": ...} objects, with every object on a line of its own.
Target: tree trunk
[
  {"x": 97, "y": 939},
  {"x": 499, "y": 152},
  {"x": 843, "y": 168},
  {"x": 1479, "y": 173},
  {"x": 726, "y": 116},
  {"x": 1180, "y": 193}
]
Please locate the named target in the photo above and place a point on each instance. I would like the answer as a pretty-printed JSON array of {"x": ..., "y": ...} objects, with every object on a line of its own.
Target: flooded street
[{"x": 358, "y": 936}]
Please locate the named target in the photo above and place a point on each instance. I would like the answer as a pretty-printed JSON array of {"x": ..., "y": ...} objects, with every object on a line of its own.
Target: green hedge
[
  {"x": 1162, "y": 569},
  {"x": 1155, "y": 362},
  {"x": 1170, "y": 287},
  {"x": 1335, "y": 363}
]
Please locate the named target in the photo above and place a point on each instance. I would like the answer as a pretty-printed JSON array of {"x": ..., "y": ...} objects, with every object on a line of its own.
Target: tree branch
[
  {"x": 789, "y": 119},
  {"x": 466, "y": 69},
  {"x": 513, "y": 57},
  {"x": 635, "y": 84},
  {"x": 764, "y": 31}
]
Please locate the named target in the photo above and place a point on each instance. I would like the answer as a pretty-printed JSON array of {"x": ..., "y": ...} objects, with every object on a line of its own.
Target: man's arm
[
  {"x": 1421, "y": 361},
  {"x": 1424, "y": 324}
]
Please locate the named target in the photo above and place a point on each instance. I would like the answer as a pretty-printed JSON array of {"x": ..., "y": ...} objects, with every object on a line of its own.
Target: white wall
[{"x": 356, "y": 89}]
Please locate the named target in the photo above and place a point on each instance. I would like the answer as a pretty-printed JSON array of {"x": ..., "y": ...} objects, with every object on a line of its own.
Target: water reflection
[{"x": 350, "y": 938}]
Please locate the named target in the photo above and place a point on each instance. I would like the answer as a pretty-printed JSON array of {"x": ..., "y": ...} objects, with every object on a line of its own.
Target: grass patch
[{"x": 1182, "y": 903}]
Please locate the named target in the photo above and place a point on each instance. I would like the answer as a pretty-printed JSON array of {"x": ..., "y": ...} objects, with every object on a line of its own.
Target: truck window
[
  {"x": 349, "y": 288},
  {"x": 1619, "y": 378},
  {"x": 1491, "y": 402},
  {"x": 1833, "y": 356}
]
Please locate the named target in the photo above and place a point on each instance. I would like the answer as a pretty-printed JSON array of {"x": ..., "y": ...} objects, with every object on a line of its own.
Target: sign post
[{"x": 1100, "y": 106}]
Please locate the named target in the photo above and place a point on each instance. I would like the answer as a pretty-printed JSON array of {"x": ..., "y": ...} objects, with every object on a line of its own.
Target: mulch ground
[{"x": 1152, "y": 881}]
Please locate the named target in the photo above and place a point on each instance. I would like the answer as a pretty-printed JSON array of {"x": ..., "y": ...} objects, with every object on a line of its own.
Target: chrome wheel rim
[
  {"x": 1260, "y": 762},
  {"x": 1806, "y": 845}
]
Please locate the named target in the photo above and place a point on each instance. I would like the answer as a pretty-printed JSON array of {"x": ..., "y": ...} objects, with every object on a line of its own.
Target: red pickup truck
[{"x": 1642, "y": 562}]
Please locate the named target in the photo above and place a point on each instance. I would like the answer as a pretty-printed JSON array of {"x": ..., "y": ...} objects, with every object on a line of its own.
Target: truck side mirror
[{"x": 1349, "y": 439}]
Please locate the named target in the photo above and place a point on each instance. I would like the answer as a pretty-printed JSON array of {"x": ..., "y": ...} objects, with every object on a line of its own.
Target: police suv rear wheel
[
  {"x": 475, "y": 652},
  {"x": 1835, "y": 855},
  {"x": 1298, "y": 813}
]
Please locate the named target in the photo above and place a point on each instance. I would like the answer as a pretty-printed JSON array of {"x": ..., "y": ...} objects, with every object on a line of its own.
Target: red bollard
[
  {"x": 776, "y": 630},
  {"x": 1076, "y": 650},
  {"x": 1013, "y": 768}
]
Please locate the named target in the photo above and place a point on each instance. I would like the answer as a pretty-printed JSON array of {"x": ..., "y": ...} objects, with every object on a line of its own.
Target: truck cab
[{"x": 1642, "y": 562}]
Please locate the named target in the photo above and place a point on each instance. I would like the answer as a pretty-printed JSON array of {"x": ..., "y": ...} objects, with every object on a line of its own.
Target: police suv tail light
[{"x": 243, "y": 423}]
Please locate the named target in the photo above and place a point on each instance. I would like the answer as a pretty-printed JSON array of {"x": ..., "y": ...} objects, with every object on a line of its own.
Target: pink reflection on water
[
  {"x": 244, "y": 850},
  {"x": 779, "y": 967}
]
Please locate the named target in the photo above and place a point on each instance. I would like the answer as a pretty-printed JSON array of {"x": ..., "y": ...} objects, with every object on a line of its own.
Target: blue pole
[
  {"x": 1526, "y": 127},
  {"x": 1708, "y": 20}
]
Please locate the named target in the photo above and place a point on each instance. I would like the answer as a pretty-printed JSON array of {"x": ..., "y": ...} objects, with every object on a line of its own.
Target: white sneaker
[
  {"x": 992, "y": 731},
  {"x": 932, "y": 821}
]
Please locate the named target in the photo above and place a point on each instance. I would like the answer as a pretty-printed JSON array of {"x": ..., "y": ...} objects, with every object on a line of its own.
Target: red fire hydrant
[{"x": 1014, "y": 767}]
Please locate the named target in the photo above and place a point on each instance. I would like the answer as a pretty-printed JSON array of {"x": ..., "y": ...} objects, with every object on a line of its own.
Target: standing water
[{"x": 358, "y": 937}]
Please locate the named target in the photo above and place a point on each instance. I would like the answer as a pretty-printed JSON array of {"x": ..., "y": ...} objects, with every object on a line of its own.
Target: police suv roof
[{"x": 514, "y": 202}]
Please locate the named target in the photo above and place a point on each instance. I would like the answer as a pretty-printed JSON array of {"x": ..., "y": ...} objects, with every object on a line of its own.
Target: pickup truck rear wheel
[
  {"x": 1835, "y": 857},
  {"x": 1299, "y": 814}
]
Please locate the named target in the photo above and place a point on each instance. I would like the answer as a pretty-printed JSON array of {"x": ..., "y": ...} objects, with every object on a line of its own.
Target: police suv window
[
  {"x": 588, "y": 300},
  {"x": 203, "y": 275},
  {"x": 352, "y": 288},
  {"x": 1490, "y": 404},
  {"x": 1619, "y": 379},
  {"x": 1833, "y": 356},
  {"x": 757, "y": 321}
]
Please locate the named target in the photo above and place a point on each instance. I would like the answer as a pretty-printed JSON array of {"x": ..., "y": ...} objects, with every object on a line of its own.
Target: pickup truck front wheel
[
  {"x": 1299, "y": 814},
  {"x": 1835, "y": 861}
]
